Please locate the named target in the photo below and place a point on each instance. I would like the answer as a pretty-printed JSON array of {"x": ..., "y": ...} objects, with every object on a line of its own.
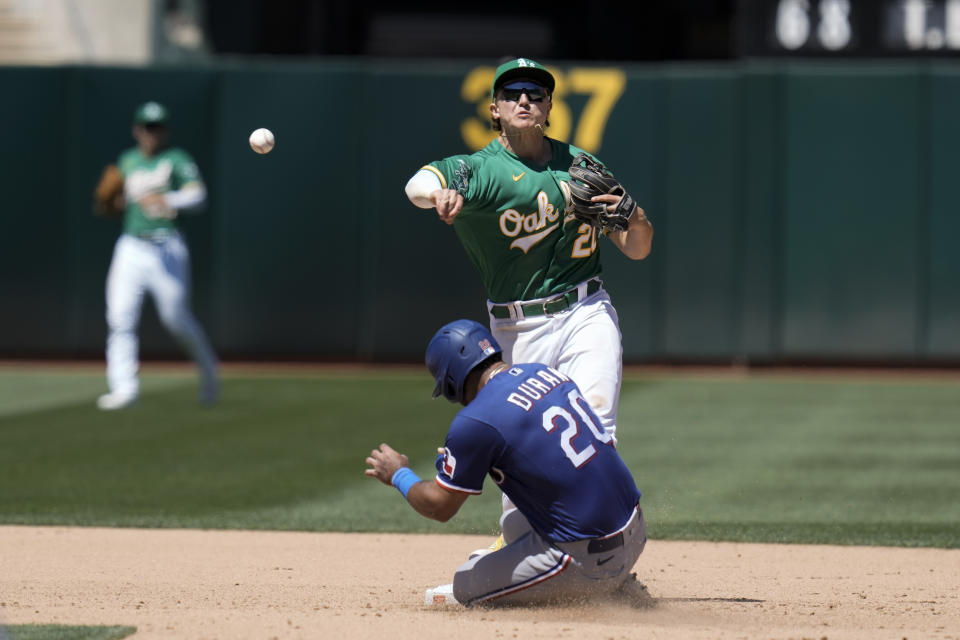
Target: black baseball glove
[{"x": 589, "y": 178}]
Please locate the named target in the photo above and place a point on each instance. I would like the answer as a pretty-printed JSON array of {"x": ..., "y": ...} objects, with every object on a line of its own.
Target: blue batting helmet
[{"x": 454, "y": 351}]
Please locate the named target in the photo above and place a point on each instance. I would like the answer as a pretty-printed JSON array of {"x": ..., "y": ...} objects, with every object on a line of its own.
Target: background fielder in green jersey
[
  {"x": 508, "y": 205},
  {"x": 151, "y": 257}
]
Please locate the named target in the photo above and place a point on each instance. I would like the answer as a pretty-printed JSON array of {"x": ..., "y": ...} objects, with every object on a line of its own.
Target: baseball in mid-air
[{"x": 262, "y": 140}]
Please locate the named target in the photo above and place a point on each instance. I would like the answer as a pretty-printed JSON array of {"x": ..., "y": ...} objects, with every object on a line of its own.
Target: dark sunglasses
[{"x": 512, "y": 92}]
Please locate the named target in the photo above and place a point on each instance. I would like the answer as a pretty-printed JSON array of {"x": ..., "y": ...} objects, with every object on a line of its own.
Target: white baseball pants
[
  {"x": 160, "y": 267},
  {"x": 583, "y": 342}
]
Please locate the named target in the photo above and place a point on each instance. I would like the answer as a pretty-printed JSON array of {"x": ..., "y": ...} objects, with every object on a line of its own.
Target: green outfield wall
[{"x": 803, "y": 211}]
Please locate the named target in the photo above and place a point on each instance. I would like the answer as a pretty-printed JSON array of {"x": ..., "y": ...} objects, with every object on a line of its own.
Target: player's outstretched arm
[
  {"x": 637, "y": 241},
  {"x": 426, "y": 497}
]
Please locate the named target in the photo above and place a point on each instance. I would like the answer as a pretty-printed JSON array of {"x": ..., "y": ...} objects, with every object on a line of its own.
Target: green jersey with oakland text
[
  {"x": 514, "y": 224},
  {"x": 167, "y": 170}
]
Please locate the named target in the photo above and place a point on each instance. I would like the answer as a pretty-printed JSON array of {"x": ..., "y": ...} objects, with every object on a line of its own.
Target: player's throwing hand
[{"x": 448, "y": 203}]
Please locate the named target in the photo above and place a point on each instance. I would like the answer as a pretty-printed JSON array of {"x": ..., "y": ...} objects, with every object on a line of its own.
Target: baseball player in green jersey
[
  {"x": 509, "y": 204},
  {"x": 151, "y": 256}
]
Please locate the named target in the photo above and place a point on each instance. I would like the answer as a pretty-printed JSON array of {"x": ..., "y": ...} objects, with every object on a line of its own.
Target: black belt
[
  {"x": 552, "y": 305},
  {"x": 603, "y": 545}
]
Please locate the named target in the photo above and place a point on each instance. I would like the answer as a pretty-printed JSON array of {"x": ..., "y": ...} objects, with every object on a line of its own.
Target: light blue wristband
[{"x": 404, "y": 478}]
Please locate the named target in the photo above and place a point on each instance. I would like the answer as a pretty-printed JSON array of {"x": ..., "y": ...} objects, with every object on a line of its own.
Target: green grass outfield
[
  {"x": 63, "y": 632},
  {"x": 777, "y": 458}
]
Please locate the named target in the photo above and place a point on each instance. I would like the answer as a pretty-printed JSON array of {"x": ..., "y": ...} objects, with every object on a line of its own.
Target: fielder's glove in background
[
  {"x": 589, "y": 178},
  {"x": 108, "y": 195}
]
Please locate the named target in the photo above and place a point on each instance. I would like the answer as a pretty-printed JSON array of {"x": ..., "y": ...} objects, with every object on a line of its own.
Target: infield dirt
[{"x": 251, "y": 584}]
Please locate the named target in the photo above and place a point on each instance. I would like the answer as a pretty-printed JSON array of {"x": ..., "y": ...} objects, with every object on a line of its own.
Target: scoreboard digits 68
[{"x": 836, "y": 28}]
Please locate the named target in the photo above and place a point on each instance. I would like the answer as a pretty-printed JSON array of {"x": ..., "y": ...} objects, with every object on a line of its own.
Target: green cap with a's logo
[
  {"x": 521, "y": 68},
  {"x": 150, "y": 113}
]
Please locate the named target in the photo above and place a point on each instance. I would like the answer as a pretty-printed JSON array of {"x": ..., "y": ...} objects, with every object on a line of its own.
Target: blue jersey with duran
[{"x": 534, "y": 434}]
